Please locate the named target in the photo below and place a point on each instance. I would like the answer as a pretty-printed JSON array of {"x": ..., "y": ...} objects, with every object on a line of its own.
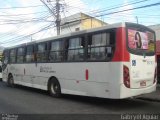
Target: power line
[
  {"x": 55, "y": 10},
  {"x": 145, "y": 6},
  {"x": 105, "y": 14},
  {"x": 23, "y": 7},
  {"x": 24, "y": 14},
  {"x": 121, "y": 6},
  {"x": 21, "y": 21},
  {"x": 13, "y": 40},
  {"x": 112, "y": 8},
  {"x": 20, "y": 27}
]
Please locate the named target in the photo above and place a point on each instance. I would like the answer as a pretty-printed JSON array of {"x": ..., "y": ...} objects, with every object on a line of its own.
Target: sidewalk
[{"x": 154, "y": 96}]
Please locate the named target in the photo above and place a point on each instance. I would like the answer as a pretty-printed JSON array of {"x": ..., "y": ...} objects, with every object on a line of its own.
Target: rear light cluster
[
  {"x": 126, "y": 76},
  {"x": 155, "y": 75},
  {"x": 87, "y": 74}
]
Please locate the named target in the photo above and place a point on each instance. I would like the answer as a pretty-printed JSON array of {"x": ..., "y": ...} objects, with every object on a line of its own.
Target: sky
[{"x": 22, "y": 21}]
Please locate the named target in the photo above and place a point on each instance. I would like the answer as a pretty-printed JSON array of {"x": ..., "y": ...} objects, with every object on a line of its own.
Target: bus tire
[
  {"x": 10, "y": 81},
  {"x": 54, "y": 88}
]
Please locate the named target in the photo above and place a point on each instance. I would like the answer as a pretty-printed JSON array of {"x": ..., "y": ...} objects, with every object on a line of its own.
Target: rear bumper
[{"x": 128, "y": 92}]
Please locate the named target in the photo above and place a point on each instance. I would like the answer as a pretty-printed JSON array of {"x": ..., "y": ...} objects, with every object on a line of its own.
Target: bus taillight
[
  {"x": 87, "y": 74},
  {"x": 126, "y": 76},
  {"x": 155, "y": 75}
]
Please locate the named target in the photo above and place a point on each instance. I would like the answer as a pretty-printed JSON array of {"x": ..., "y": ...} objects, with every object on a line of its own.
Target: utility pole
[
  {"x": 58, "y": 18},
  {"x": 55, "y": 10}
]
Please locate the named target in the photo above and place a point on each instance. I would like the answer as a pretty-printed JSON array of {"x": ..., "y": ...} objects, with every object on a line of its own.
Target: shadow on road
[
  {"x": 117, "y": 104},
  {"x": 112, "y": 104}
]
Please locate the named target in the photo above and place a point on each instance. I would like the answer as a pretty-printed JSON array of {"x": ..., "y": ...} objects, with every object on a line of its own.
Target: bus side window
[
  {"x": 5, "y": 58},
  {"x": 30, "y": 54},
  {"x": 20, "y": 54},
  {"x": 100, "y": 46},
  {"x": 110, "y": 45},
  {"x": 76, "y": 49},
  {"x": 56, "y": 53},
  {"x": 41, "y": 52},
  {"x": 12, "y": 55}
]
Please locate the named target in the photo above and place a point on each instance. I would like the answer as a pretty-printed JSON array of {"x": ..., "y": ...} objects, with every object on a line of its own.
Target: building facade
[{"x": 79, "y": 21}]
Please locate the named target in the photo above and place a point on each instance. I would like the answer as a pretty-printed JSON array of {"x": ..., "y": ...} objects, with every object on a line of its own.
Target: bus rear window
[{"x": 141, "y": 40}]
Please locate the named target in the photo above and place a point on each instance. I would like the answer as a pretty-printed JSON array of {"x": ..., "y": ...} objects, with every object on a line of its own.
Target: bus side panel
[
  {"x": 38, "y": 74},
  {"x": 103, "y": 80}
]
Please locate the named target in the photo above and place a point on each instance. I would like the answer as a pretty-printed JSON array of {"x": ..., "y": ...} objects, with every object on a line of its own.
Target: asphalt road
[{"x": 23, "y": 100}]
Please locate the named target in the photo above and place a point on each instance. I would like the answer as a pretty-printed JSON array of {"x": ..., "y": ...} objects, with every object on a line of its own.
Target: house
[{"x": 79, "y": 21}]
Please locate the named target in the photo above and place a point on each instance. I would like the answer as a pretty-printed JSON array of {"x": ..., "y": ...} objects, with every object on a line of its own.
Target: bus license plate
[{"x": 143, "y": 83}]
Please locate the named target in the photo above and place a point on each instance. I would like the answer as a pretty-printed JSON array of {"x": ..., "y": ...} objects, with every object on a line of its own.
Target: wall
[
  {"x": 82, "y": 23},
  {"x": 91, "y": 22}
]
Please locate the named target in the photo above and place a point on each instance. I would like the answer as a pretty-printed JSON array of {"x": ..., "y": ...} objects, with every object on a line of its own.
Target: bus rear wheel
[
  {"x": 10, "y": 81},
  {"x": 54, "y": 88}
]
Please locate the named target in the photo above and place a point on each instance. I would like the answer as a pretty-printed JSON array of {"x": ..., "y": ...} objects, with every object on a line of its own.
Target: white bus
[{"x": 114, "y": 61}]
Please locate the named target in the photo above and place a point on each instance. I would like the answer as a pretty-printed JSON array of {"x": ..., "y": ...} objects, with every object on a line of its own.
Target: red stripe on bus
[
  {"x": 87, "y": 74},
  {"x": 121, "y": 53}
]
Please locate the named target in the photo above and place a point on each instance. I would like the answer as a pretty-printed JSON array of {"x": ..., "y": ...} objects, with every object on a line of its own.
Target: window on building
[
  {"x": 76, "y": 49},
  {"x": 20, "y": 54},
  {"x": 100, "y": 46},
  {"x": 57, "y": 51},
  {"x": 41, "y": 52},
  {"x": 30, "y": 54},
  {"x": 12, "y": 55}
]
